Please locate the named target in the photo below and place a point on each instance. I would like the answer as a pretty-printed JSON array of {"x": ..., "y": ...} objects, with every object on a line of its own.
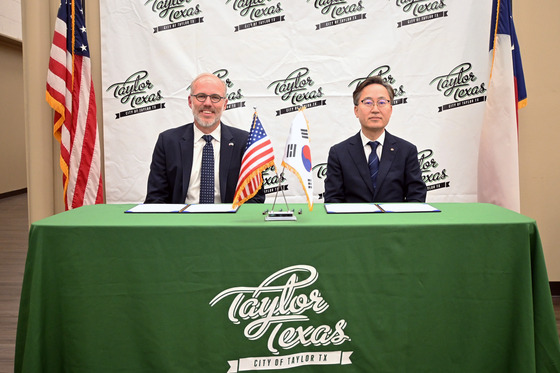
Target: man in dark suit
[
  {"x": 177, "y": 173},
  {"x": 373, "y": 165}
]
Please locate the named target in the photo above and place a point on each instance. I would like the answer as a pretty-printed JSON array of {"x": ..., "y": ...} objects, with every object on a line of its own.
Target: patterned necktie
[
  {"x": 207, "y": 172},
  {"x": 373, "y": 162}
]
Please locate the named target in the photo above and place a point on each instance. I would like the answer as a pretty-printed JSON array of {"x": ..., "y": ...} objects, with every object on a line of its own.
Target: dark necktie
[
  {"x": 207, "y": 172},
  {"x": 373, "y": 162}
]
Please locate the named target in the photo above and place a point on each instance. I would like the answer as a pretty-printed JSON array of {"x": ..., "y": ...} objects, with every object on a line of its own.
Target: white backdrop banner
[{"x": 278, "y": 55}]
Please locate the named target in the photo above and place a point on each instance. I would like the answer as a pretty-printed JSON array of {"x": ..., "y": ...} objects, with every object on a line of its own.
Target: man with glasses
[
  {"x": 199, "y": 162},
  {"x": 373, "y": 165}
]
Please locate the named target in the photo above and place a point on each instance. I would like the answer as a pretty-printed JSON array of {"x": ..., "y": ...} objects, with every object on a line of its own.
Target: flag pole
[
  {"x": 280, "y": 189},
  {"x": 280, "y": 215},
  {"x": 276, "y": 195}
]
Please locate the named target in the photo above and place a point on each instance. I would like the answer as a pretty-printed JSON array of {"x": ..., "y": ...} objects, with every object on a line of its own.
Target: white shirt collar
[
  {"x": 365, "y": 140},
  {"x": 216, "y": 134}
]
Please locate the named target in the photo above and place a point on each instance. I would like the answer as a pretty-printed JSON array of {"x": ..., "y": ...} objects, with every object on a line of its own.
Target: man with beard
[{"x": 191, "y": 160}]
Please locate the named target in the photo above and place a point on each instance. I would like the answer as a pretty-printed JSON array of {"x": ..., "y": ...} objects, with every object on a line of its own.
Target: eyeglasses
[
  {"x": 381, "y": 103},
  {"x": 214, "y": 98}
]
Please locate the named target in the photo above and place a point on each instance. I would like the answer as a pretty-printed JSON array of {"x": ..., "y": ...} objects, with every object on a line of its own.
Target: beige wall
[
  {"x": 538, "y": 31},
  {"x": 10, "y": 19},
  {"x": 12, "y": 124},
  {"x": 43, "y": 176},
  {"x": 539, "y": 36}
]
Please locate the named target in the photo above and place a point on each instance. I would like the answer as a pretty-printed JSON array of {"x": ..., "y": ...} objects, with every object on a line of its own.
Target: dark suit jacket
[
  {"x": 399, "y": 178},
  {"x": 170, "y": 171}
]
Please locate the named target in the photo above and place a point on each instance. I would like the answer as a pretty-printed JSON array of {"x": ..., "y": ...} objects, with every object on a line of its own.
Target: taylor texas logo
[
  {"x": 271, "y": 308},
  {"x": 461, "y": 85},
  {"x": 273, "y": 181},
  {"x": 257, "y": 12},
  {"x": 338, "y": 12},
  {"x": 175, "y": 13},
  {"x": 138, "y": 93},
  {"x": 298, "y": 89},
  {"x": 433, "y": 175},
  {"x": 384, "y": 71},
  {"x": 234, "y": 96},
  {"x": 421, "y": 10},
  {"x": 320, "y": 171}
]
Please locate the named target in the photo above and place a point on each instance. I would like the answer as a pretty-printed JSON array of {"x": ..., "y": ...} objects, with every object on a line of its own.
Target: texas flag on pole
[
  {"x": 498, "y": 161},
  {"x": 297, "y": 155}
]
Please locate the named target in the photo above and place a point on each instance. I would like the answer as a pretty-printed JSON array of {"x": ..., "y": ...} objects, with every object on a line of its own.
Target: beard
[{"x": 206, "y": 123}]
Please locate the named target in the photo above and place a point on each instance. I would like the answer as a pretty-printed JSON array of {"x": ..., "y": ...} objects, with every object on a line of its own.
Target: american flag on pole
[
  {"x": 297, "y": 155},
  {"x": 70, "y": 93},
  {"x": 258, "y": 156},
  {"x": 498, "y": 161}
]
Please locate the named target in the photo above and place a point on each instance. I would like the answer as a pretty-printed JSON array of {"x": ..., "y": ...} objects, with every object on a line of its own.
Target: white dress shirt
[
  {"x": 367, "y": 147},
  {"x": 193, "y": 193}
]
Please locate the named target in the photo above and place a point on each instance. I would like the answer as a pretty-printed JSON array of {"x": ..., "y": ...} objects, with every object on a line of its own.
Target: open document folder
[
  {"x": 168, "y": 207},
  {"x": 361, "y": 208}
]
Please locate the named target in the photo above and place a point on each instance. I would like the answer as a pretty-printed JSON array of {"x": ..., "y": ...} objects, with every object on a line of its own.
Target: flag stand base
[{"x": 280, "y": 216}]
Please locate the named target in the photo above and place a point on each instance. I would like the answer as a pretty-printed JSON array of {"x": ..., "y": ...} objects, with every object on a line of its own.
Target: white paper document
[
  {"x": 170, "y": 207},
  {"x": 157, "y": 207},
  {"x": 211, "y": 207},
  {"x": 407, "y": 207},
  {"x": 357, "y": 208},
  {"x": 351, "y": 208}
]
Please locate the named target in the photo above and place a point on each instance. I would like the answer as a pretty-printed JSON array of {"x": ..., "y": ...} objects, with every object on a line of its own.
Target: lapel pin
[{"x": 230, "y": 144}]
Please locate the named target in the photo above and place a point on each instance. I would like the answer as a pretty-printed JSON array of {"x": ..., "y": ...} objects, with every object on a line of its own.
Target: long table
[{"x": 461, "y": 290}]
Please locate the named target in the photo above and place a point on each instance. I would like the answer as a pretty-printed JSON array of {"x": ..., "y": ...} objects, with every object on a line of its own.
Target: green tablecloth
[{"x": 464, "y": 290}]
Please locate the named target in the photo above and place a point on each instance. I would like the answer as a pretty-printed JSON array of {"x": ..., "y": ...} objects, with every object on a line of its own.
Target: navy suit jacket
[
  {"x": 399, "y": 178},
  {"x": 170, "y": 171}
]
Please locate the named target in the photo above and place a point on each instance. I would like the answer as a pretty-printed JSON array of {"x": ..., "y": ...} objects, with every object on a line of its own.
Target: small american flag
[
  {"x": 258, "y": 156},
  {"x": 70, "y": 93}
]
